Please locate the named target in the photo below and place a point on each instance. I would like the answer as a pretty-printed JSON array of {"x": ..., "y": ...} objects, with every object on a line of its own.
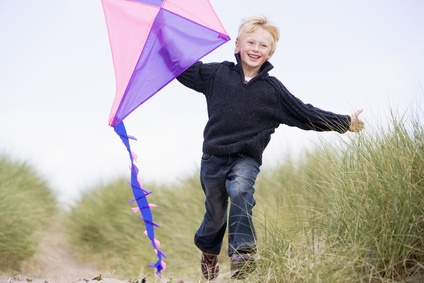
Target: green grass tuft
[
  {"x": 359, "y": 208},
  {"x": 26, "y": 205},
  {"x": 105, "y": 230}
]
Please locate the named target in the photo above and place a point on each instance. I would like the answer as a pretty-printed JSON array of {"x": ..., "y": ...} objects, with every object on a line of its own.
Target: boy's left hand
[{"x": 356, "y": 125}]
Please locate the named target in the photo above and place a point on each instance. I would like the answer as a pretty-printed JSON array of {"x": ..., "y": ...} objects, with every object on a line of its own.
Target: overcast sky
[{"x": 57, "y": 83}]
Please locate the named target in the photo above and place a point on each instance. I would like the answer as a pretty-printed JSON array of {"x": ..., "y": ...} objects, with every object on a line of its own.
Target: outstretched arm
[{"x": 356, "y": 124}]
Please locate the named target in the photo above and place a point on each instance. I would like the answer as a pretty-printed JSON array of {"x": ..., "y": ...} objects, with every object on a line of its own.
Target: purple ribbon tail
[{"x": 140, "y": 197}]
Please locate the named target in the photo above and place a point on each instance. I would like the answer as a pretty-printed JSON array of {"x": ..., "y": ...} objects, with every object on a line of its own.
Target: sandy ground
[
  {"x": 25, "y": 280},
  {"x": 55, "y": 262}
]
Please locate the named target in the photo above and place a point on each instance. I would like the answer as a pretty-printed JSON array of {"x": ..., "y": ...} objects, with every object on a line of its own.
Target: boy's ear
[{"x": 237, "y": 45}]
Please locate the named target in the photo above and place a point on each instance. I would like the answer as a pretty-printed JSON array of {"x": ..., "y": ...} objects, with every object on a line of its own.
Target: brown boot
[
  {"x": 209, "y": 266},
  {"x": 241, "y": 264}
]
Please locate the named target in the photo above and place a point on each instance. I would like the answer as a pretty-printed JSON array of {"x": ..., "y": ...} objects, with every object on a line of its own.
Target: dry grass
[{"x": 352, "y": 212}]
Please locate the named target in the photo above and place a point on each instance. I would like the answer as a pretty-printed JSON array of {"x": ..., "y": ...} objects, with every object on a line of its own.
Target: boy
[{"x": 245, "y": 106}]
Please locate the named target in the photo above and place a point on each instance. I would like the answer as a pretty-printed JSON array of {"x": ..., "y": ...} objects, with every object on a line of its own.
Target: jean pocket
[{"x": 206, "y": 157}]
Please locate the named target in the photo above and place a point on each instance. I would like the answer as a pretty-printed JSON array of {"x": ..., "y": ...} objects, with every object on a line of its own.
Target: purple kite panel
[{"x": 151, "y": 2}]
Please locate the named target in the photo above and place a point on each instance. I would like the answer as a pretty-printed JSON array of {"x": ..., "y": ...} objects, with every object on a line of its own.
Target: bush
[
  {"x": 358, "y": 211},
  {"x": 104, "y": 228},
  {"x": 26, "y": 204}
]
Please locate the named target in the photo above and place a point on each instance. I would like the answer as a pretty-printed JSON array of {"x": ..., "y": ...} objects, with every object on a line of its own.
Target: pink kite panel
[
  {"x": 128, "y": 25},
  {"x": 199, "y": 11}
]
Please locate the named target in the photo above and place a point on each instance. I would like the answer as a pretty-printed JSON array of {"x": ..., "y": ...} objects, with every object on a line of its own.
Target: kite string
[{"x": 140, "y": 196}]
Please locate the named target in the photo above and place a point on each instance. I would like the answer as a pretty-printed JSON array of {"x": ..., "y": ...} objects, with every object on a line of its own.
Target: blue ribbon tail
[{"x": 140, "y": 197}]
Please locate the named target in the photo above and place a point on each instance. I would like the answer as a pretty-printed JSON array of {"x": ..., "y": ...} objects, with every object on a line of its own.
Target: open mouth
[{"x": 254, "y": 57}]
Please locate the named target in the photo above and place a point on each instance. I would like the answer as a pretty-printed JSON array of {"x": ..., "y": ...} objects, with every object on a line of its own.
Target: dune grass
[
  {"x": 359, "y": 208},
  {"x": 105, "y": 230},
  {"x": 346, "y": 212},
  {"x": 351, "y": 211},
  {"x": 26, "y": 205}
]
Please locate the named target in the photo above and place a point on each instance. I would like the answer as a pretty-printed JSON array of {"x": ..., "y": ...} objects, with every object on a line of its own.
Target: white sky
[{"x": 57, "y": 83}]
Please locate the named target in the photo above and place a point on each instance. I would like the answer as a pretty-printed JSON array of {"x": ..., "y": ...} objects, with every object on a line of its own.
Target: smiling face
[{"x": 254, "y": 48}]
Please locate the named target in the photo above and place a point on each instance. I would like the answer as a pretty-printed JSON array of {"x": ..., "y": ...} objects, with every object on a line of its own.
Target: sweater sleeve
[
  {"x": 307, "y": 117},
  {"x": 198, "y": 76}
]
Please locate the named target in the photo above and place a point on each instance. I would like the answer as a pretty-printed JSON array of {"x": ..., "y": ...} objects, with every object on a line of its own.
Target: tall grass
[
  {"x": 105, "y": 230},
  {"x": 360, "y": 208},
  {"x": 346, "y": 212},
  {"x": 26, "y": 205}
]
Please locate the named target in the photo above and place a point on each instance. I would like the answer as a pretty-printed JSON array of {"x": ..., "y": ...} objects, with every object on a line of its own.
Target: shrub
[{"x": 26, "y": 205}]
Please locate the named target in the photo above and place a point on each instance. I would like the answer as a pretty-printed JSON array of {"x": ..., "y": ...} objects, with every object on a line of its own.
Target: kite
[{"x": 153, "y": 42}]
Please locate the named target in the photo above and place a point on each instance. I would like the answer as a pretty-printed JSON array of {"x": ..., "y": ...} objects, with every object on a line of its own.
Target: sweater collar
[{"x": 265, "y": 68}]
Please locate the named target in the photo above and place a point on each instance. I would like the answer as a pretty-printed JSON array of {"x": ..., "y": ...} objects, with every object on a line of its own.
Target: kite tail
[{"x": 140, "y": 196}]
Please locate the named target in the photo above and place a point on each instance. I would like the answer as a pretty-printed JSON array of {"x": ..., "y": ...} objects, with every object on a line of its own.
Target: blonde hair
[{"x": 252, "y": 24}]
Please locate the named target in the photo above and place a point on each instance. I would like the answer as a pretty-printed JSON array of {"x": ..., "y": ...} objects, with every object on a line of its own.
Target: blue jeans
[{"x": 226, "y": 177}]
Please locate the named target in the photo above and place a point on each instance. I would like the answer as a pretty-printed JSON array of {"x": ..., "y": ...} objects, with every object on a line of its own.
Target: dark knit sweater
[{"x": 242, "y": 116}]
